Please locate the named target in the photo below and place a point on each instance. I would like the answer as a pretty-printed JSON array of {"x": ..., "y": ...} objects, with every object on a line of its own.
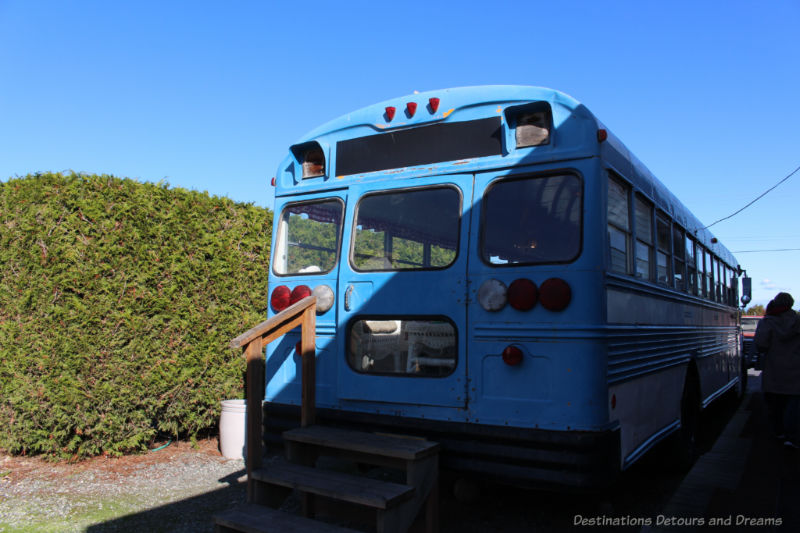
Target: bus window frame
[
  {"x": 405, "y": 318},
  {"x": 628, "y": 232},
  {"x": 353, "y": 230},
  {"x": 338, "y": 249},
  {"x": 519, "y": 177}
]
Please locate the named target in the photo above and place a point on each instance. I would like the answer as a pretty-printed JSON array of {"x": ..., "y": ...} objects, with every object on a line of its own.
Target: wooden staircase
[{"x": 393, "y": 506}]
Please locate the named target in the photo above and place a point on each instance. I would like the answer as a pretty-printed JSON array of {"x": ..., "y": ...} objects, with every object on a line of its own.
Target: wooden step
[
  {"x": 252, "y": 518},
  {"x": 393, "y": 446},
  {"x": 337, "y": 485}
]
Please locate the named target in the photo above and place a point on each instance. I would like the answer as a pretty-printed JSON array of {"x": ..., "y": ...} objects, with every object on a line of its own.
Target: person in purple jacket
[{"x": 778, "y": 338}]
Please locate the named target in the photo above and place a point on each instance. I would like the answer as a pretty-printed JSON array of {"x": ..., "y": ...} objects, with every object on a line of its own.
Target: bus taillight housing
[
  {"x": 555, "y": 294},
  {"x": 298, "y": 293},
  {"x": 512, "y": 355},
  {"x": 280, "y": 298},
  {"x": 522, "y": 294}
]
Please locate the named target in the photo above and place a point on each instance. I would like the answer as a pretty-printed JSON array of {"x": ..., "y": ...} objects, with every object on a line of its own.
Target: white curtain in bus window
[
  {"x": 308, "y": 237},
  {"x": 423, "y": 348},
  {"x": 407, "y": 230},
  {"x": 532, "y": 220},
  {"x": 643, "y": 213},
  {"x": 618, "y": 225}
]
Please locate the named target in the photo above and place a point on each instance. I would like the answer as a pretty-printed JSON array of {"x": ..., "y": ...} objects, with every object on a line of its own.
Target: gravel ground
[
  {"x": 180, "y": 487},
  {"x": 174, "y": 489}
]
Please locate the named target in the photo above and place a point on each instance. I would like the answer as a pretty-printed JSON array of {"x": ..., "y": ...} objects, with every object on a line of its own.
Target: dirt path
[{"x": 177, "y": 488}]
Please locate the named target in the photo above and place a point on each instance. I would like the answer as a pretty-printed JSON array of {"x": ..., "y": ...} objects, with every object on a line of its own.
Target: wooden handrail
[{"x": 252, "y": 342}]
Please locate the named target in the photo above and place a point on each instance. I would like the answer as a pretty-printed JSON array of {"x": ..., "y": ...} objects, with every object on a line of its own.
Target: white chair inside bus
[
  {"x": 430, "y": 344},
  {"x": 381, "y": 339}
]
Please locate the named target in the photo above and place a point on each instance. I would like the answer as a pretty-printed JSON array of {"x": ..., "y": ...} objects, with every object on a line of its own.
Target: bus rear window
[
  {"x": 420, "y": 146},
  {"x": 532, "y": 220},
  {"x": 308, "y": 237},
  {"x": 407, "y": 229},
  {"x": 422, "y": 348}
]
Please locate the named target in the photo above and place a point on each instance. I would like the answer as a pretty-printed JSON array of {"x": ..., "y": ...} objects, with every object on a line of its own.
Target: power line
[
  {"x": 773, "y": 250},
  {"x": 757, "y": 199}
]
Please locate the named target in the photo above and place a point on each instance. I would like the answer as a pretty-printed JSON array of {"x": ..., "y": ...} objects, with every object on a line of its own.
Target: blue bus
[{"x": 495, "y": 271}]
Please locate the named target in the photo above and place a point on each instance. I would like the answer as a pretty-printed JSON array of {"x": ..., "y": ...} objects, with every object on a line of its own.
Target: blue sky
[{"x": 209, "y": 95}]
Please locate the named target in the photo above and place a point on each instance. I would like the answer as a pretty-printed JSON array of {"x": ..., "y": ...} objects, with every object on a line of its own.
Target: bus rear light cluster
[
  {"x": 512, "y": 355},
  {"x": 411, "y": 109},
  {"x": 298, "y": 293},
  {"x": 555, "y": 294},
  {"x": 282, "y": 297},
  {"x": 523, "y": 294}
]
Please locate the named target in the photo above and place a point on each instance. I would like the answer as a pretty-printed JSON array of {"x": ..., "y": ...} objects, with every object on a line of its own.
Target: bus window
[
  {"x": 701, "y": 278},
  {"x": 619, "y": 230},
  {"x": 308, "y": 237},
  {"x": 421, "y": 348},
  {"x": 644, "y": 238},
  {"x": 532, "y": 220},
  {"x": 679, "y": 249},
  {"x": 691, "y": 267},
  {"x": 663, "y": 247},
  {"x": 407, "y": 230}
]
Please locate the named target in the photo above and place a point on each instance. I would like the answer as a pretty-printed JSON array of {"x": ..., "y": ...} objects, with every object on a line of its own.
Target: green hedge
[{"x": 117, "y": 303}]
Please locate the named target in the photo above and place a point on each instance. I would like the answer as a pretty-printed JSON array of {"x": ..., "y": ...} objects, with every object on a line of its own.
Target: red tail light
[
  {"x": 411, "y": 108},
  {"x": 512, "y": 355},
  {"x": 434, "y": 103},
  {"x": 390, "y": 111},
  {"x": 299, "y": 292},
  {"x": 280, "y": 298},
  {"x": 555, "y": 294},
  {"x": 522, "y": 294}
]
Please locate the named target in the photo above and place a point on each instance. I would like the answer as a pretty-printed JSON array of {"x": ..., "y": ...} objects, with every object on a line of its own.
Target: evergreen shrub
[{"x": 117, "y": 303}]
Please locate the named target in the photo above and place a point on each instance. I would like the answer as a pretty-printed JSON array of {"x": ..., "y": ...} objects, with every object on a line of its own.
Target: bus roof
[{"x": 466, "y": 103}]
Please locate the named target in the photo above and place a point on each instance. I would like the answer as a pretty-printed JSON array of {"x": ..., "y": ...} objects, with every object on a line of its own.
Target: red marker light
[
  {"x": 280, "y": 298},
  {"x": 602, "y": 135},
  {"x": 298, "y": 293},
  {"x": 522, "y": 294},
  {"x": 272, "y": 182},
  {"x": 512, "y": 356},
  {"x": 411, "y": 108},
  {"x": 434, "y": 104},
  {"x": 390, "y": 111},
  {"x": 555, "y": 294}
]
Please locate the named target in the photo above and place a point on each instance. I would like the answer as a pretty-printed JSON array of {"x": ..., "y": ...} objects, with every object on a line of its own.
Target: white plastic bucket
[{"x": 232, "y": 423}]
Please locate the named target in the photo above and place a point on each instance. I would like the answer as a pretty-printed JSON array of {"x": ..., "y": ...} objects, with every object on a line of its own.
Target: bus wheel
[{"x": 685, "y": 447}]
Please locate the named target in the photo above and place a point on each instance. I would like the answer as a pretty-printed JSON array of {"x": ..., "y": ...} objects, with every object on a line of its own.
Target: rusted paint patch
[
  {"x": 499, "y": 109},
  {"x": 447, "y": 113}
]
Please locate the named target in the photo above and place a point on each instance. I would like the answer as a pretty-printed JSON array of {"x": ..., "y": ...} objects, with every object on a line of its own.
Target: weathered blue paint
[{"x": 565, "y": 382}]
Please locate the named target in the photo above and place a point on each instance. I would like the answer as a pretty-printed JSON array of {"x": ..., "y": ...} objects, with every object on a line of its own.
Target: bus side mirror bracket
[{"x": 747, "y": 290}]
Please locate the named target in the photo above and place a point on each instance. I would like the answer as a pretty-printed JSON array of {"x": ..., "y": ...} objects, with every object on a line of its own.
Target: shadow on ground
[
  {"x": 188, "y": 515},
  {"x": 642, "y": 491}
]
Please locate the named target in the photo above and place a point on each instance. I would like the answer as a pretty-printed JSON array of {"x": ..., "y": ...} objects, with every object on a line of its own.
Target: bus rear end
[{"x": 456, "y": 248}]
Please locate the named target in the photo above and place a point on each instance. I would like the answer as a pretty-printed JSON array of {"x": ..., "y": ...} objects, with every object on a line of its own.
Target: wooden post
[
  {"x": 255, "y": 391},
  {"x": 308, "y": 356},
  {"x": 252, "y": 342}
]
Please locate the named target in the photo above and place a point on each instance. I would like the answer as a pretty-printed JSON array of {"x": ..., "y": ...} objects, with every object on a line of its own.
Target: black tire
[{"x": 685, "y": 442}]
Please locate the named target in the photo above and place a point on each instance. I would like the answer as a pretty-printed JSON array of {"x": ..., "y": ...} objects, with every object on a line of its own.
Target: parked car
[{"x": 749, "y": 324}]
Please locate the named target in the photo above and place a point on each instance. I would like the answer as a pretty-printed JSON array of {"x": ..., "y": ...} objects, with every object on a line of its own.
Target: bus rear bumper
[{"x": 526, "y": 457}]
